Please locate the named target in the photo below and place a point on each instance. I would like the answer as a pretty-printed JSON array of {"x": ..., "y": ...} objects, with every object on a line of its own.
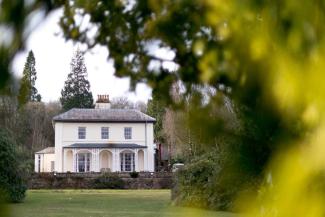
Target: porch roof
[
  {"x": 48, "y": 150},
  {"x": 105, "y": 145}
]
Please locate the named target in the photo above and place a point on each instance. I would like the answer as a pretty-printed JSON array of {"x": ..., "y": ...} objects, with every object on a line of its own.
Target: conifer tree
[
  {"x": 76, "y": 91},
  {"x": 28, "y": 91}
]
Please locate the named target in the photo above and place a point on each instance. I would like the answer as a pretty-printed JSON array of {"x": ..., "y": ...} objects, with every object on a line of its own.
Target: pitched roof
[
  {"x": 103, "y": 115},
  {"x": 105, "y": 145},
  {"x": 48, "y": 150}
]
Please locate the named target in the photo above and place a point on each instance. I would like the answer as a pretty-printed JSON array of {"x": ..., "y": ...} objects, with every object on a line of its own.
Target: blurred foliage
[
  {"x": 268, "y": 54},
  {"x": 220, "y": 48},
  {"x": 224, "y": 155},
  {"x": 206, "y": 182},
  {"x": 16, "y": 18}
]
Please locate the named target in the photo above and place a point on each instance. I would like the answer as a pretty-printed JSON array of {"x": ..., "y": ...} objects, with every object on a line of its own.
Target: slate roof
[
  {"x": 103, "y": 115},
  {"x": 48, "y": 150},
  {"x": 105, "y": 145}
]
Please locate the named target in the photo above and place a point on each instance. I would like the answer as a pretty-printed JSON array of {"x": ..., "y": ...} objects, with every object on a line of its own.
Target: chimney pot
[{"x": 102, "y": 102}]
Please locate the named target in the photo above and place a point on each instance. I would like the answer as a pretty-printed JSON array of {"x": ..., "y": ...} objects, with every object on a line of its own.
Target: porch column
[
  {"x": 136, "y": 160},
  {"x": 74, "y": 166},
  {"x": 145, "y": 160},
  {"x": 65, "y": 157},
  {"x": 95, "y": 160},
  {"x": 116, "y": 160},
  {"x": 113, "y": 160},
  {"x": 64, "y": 160}
]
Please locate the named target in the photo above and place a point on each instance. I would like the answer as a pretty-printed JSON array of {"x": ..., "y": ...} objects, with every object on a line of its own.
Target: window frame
[
  {"x": 102, "y": 133},
  {"x": 127, "y": 162},
  {"x": 127, "y": 135},
  {"x": 80, "y": 132},
  {"x": 83, "y": 162},
  {"x": 52, "y": 166},
  {"x": 39, "y": 163}
]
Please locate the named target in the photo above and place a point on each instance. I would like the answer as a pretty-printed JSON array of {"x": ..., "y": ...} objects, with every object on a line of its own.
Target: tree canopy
[
  {"x": 254, "y": 51},
  {"x": 76, "y": 91}
]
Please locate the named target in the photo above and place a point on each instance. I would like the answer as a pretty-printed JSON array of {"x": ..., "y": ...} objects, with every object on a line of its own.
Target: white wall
[
  {"x": 93, "y": 132},
  {"x": 58, "y": 127},
  {"x": 67, "y": 134}
]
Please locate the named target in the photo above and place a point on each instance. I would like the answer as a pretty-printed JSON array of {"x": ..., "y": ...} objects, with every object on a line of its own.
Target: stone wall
[{"x": 86, "y": 180}]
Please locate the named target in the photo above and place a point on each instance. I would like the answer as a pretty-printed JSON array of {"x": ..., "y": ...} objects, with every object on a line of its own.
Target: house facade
[{"x": 103, "y": 139}]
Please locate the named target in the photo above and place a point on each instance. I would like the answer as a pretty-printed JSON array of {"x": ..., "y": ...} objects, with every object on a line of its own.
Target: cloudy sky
[{"x": 53, "y": 56}]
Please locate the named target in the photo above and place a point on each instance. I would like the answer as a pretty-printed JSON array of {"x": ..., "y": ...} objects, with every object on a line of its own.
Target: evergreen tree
[
  {"x": 28, "y": 91},
  {"x": 156, "y": 108},
  {"x": 76, "y": 91}
]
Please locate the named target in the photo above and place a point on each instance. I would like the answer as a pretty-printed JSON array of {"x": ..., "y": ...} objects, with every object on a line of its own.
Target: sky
[{"x": 53, "y": 56}]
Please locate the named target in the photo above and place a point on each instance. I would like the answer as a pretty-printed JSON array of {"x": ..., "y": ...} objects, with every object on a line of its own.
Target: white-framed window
[
  {"x": 39, "y": 163},
  {"x": 81, "y": 132},
  {"x": 105, "y": 132},
  {"x": 83, "y": 161},
  {"x": 52, "y": 166},
  {"x": 127, "y": 162},
  {"x": 128, "y": 132}
]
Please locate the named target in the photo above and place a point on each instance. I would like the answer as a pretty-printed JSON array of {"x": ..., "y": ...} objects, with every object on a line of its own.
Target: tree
[
  {"x": 121, "y": 103},
  {"x": 76, "y": 91},
  {"x": 157, "y": 108},
  {"x": 125, "y": 103},
  {"x": 28, "y": 91},
  {"x": 141, "y": 106}
]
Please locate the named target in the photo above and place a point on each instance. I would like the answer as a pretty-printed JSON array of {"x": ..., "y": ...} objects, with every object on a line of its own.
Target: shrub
[
  {"x": 134, "y": 174},
  {"x": 11, "y": 181},
  {"x": 108, "y": 181},
  {"x": 206, "y": 182}
]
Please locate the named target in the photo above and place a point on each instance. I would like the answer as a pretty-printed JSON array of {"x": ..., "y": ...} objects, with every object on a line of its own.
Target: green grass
[{"x": 104, "y": 203}]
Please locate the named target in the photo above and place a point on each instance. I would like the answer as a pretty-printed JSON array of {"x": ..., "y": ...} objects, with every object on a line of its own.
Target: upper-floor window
[
  {"x": 105, "y": 133},
  {"x": 82, "y": 132},
  {"x": 127, "y": 132}
]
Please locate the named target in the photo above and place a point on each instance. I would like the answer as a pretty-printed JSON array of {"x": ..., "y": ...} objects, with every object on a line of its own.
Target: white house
[{"x": 102, "y": 139}]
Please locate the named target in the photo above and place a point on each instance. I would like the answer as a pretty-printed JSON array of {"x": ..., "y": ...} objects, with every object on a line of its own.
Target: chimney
[{"x": 103, "y": 102}]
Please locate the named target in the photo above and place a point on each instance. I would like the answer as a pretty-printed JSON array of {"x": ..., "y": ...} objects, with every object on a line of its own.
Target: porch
[{"x": 103, "y": 157}]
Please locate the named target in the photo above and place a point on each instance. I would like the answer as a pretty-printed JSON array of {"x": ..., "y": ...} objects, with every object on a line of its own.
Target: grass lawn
[{"x": 104, "y": 203}]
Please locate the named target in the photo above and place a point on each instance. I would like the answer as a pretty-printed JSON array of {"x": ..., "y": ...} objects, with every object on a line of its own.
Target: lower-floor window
[
  {"x": 83, "y": 162},
  {"x": 52, "y": 166},
  {"x": 127, "y": 162},
  {"x": 39, "y": 163}
]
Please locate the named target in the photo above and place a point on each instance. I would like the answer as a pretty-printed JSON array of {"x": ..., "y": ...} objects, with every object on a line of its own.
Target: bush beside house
[
  {"x": 206, "y": 182},
  {"x": 12, "y": 184}
]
